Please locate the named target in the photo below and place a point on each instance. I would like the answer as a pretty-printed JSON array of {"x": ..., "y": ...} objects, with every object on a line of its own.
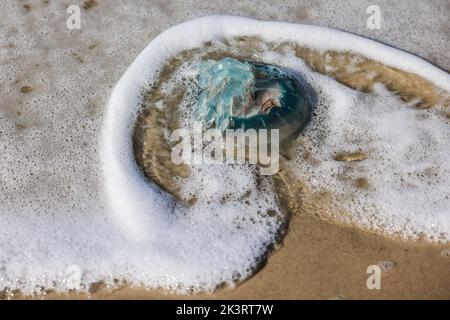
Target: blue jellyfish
[{"x": 235, "y": 94}]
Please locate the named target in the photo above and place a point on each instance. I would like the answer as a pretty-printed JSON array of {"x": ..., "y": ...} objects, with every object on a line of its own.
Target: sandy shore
[
  {"x": 318, "y": 259},
  {"x": 324, "y": 260}
]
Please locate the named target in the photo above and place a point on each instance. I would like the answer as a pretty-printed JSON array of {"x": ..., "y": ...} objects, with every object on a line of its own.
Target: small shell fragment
[
  {"x": 26, "y": 89},
  {"x": 386, "y": 266},
  {"x": 350, "y": 156}
]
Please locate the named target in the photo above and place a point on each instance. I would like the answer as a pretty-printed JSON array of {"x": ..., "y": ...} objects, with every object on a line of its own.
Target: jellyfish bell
[{"x": 252, "y": 95}]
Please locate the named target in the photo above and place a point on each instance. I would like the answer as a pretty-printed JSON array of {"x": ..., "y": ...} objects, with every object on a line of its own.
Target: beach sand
[
  {"x": 318, "y": 259},
  {"x": 325, "y": 260}
]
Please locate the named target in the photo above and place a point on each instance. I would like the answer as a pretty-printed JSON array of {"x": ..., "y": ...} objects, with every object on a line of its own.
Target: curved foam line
[{"x": 132, "y": 199}]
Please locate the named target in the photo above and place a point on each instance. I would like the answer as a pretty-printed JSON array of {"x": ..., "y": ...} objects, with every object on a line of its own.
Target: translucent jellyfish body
[{"x": 255, "y": 95}]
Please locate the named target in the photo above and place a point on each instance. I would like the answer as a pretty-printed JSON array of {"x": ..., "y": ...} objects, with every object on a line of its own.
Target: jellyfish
[{"x": 251, "y": 95}]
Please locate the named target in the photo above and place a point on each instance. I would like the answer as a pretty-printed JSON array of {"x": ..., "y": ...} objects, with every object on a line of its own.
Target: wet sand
[
  {"x": 325, "y": 260},
  {"x": 318, "y": 259}
]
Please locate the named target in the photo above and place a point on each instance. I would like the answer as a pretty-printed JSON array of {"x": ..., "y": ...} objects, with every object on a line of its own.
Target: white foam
[
  {"x": 408, "y": 176},
  {"x": 127, "y": 229},
  {"x": 119, "y": 119}
]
